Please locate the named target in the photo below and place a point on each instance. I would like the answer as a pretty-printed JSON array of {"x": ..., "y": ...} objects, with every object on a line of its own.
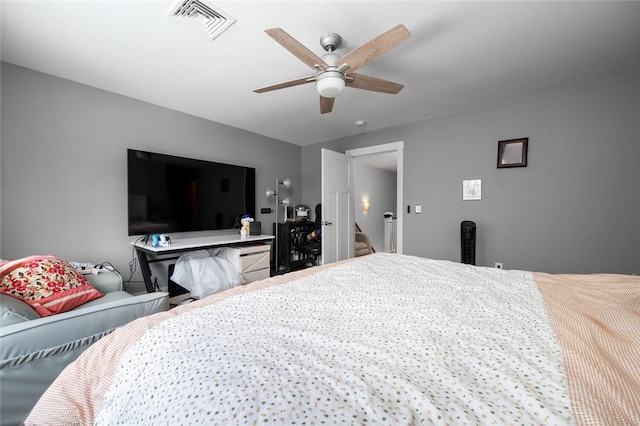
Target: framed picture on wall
[{"x": 512, "y": 153}]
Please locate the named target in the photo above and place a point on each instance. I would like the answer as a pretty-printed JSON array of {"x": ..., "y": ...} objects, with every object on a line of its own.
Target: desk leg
[{"x": 146, "y": 270}]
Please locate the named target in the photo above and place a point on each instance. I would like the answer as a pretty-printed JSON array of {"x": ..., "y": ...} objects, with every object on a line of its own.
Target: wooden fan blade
[
  {"x": 295, "y": 47},
  {"x": 286, "y": 84},
  {"x": 326, "y": 104},
  {"x": 374, "y": 84},
  {"x": 375, "y": 48}
]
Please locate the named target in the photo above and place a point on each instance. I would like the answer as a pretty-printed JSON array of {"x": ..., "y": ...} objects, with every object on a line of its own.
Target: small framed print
[
  {"x": 512, "y": 153},
  {"x": 472, "y": 189}
]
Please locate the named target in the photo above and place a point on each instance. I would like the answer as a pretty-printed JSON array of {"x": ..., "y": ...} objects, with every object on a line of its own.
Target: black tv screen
[{"x": 176, "y": 194}]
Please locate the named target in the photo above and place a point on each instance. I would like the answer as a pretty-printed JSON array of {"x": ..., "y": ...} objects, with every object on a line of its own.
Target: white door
[{"x": 338, "y": 232}]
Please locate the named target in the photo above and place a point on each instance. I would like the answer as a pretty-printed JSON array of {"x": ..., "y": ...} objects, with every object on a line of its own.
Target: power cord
[
  {"x": 108, "y": 266},
  {"x": 133, "y": 264},
  {"x": 96, "y": 268}
]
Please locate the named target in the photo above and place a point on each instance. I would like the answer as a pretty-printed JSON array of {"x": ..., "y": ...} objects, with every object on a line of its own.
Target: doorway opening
[{"x": 388, "y": 158}]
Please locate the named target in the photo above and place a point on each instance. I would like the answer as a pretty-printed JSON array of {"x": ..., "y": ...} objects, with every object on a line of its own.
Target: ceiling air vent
[{"x": 202, "y": 13}]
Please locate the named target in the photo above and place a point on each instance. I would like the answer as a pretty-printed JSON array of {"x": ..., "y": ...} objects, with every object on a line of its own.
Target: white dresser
[{"x": 253, "y": 261}]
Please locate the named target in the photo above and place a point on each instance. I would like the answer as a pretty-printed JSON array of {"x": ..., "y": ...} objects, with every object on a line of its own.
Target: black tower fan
[{"x": 468, "y": 242}]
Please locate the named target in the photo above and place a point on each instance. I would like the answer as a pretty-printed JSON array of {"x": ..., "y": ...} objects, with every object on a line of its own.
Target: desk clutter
[
  {"x": 298, "y": 240},
  {"x": 204, "y": 272},
  {"x": 299, "y": 245}
]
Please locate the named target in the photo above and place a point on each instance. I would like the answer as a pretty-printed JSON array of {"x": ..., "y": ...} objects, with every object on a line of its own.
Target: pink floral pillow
[{"x": 48, "y": 284}]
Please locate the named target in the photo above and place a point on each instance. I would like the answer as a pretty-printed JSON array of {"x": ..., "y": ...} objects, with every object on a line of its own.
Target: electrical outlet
[{"x": 499, "y": 265}]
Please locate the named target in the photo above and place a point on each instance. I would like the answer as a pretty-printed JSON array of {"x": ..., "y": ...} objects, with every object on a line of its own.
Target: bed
[{"x": 384, "y": 338}]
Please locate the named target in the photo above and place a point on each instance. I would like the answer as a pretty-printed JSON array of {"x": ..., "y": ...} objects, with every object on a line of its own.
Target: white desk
[{"x": 180, "y": 244}]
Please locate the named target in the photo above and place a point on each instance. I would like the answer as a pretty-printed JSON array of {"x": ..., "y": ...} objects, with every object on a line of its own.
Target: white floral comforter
[{"x": 384, "y": 338}]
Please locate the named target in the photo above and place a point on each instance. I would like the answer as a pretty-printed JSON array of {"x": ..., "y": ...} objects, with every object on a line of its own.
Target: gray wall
[
  {"x": 64, "y": 164},
  {"x": 574, "y": 208},
  {"x": 379, "y": 187}
]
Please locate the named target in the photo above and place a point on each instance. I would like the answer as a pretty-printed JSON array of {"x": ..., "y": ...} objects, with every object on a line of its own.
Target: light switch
[{"x": 418, "y": 209}]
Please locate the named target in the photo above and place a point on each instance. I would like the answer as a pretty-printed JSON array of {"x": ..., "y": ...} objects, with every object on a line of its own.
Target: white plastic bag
[{"x": 205, "y": 272}]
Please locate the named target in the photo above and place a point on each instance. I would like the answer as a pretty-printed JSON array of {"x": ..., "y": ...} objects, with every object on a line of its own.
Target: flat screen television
[{"x": 176, "y": 194}]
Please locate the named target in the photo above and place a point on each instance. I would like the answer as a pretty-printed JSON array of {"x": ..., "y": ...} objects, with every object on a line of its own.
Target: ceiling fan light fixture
[
  {"x": 330, "y": 84},
  {"x": 331, "y": 71}
]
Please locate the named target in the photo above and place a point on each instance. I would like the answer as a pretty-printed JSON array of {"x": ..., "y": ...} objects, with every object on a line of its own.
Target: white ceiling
[{"x": 460, "y": 55}]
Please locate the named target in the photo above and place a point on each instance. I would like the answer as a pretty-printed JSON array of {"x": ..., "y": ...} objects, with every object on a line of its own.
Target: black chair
[{"x": 308, "y": 243}]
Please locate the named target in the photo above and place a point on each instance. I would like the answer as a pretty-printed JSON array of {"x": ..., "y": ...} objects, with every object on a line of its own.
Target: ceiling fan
[{"x": 334, "y": 72}]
